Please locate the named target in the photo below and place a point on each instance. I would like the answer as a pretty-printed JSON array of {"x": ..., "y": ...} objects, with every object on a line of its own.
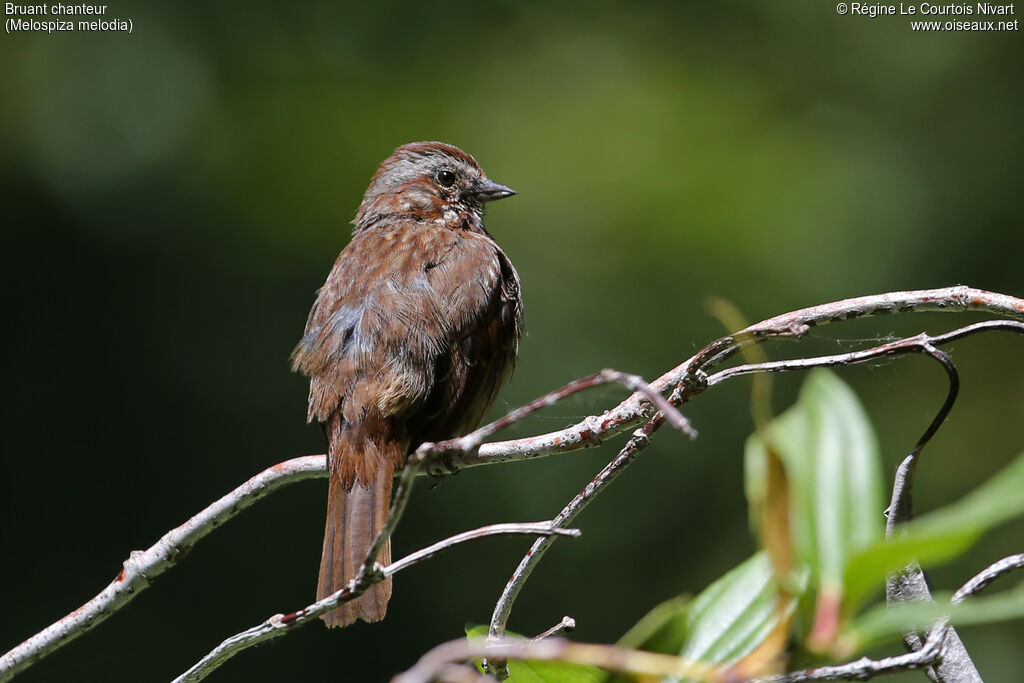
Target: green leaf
[
  {"x": 726, "y": 621},
  {"x": 524, "y": 671},
  {"x": 831, "y": 456},
  {"x": 882, "y": 623},
  {"x": 940, "y": 535},
  {"x": 733, "y": 615},
  {"x": 654, "y": 632}
]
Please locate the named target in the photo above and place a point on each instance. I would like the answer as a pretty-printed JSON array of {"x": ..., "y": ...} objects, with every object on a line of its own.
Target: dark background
[{"x": 173, "y": 198}]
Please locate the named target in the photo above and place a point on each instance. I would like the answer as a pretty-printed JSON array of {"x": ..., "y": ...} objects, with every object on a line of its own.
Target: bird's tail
[{"x": 356, "y": 513}]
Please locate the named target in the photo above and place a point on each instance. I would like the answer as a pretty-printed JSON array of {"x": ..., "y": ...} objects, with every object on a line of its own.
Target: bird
[{"x": 409, "y": 340}]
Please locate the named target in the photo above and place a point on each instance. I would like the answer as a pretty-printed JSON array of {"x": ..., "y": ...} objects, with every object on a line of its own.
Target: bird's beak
[{"x": 488, "y": 191}]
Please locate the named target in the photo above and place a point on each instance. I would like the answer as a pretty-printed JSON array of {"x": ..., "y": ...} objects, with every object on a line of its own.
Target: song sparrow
[{"x": 408, "y": 341}]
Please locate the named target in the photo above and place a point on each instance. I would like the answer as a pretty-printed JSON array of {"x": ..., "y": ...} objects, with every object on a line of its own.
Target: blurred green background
[{"x": 173, "y": 198}]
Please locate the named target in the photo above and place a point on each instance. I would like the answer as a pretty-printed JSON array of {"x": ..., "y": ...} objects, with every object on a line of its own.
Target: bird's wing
[
  {"x": 481, "y": 293},
  {"x": 395, "y": 302}
]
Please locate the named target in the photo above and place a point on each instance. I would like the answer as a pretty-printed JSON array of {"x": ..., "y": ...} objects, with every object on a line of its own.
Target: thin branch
[
  {"x": 543, "y": 529},
  {"x": 595, "y": 429},
  {"x": 467, "y": 448},
  {"x": 933, "y": 652},
  {"x": 609, "y": 657},
  {"x": 986, "y": 576},
  {"x": 142, "y": 567},
  {"x": 503, "y": 608},
  {"x": 900, "y": 508},
  {"x": 279, "y": 624},
  {"x": 954, "y": 663},
  {"x": 865, "y": 668},
  {"x": 916, "y": 344},
  {"x": 614, "y": 658},
  {"x": 922, "y": 343},
  {"x": 687, "y": 379},
  {"x": 911, "y": 584},
  {"x": 399, "y": 499},
  {"x": 671, "y": 413},
  {"x": 435, "y": 664},
  {"x": 566, "y": 625}
]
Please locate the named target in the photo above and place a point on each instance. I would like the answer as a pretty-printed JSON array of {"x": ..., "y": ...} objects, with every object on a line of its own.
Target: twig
[
  {"x": 399, "y": 499},
  {"x": 142, "y": 567},
  {"x": 670, "y": 412},
  {"x": 466, "y": 448},
  {"x": 987, "y": 576},
  {"x": 566, "y": 625},
  {"x": 437, "y": 664},
  {"x": 919, "y": 343},
  {"x": 865, "y": 668},
  {"x": 900, "y": 508},
  {"x": 502, "y": 610},
  {"x": 544, "y": 529},
  {"x": 911, "y": 584},
  {"x": 279, "y": 624},
  {"x": 609, "y": 657},
  {"x": 932, "y": 653},
  {"x": 634, "y": 410}
]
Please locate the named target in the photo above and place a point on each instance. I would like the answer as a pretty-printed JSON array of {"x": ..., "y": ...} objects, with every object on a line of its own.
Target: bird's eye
[{"x": 446, "y": 178}]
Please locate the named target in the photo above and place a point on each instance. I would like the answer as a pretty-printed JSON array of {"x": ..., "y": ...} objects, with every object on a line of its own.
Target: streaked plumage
[{"x": 409, "y": 340}]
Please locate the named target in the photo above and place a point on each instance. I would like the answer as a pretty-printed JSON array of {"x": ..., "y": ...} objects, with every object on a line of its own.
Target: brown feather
[
  {"x": 409, "y": 340},
  {"x": 362, "y": 462}
]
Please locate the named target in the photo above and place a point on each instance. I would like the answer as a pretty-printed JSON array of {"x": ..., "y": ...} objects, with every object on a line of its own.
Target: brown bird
[{"x": 409, "y": 340}]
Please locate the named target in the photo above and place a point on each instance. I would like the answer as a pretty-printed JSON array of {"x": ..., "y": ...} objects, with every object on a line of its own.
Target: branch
[
  {"x": 425, "y": 455},
  {"x": 921, "y": 343},
  {"x": 987, "y": 576},
  {"x": 900, "y": 508},
  {"x": 566, "y": 625},
  {"x": 502, "y": 610},
  {"x": 630, "y": 413},
  {"x": 471, "y": 443},
  {"x": 467, "y": 449},
  {"x": 932, "y": 653},
  {"x": 438, "y": 664},
  {"x": 142, "y": 567},
  {"x": 911, "y": 584},
  {"x": 279, "y": 624},
  {"x": 687, "y": 378},
  {"x": 610, "y": 657},
  {"x": 865, "y": 668}
]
